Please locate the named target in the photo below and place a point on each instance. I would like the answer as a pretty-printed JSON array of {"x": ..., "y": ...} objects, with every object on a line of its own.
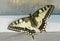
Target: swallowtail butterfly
[{"x": 33, "y": 23}]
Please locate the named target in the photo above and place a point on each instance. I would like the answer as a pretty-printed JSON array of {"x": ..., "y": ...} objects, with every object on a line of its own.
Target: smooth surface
[
  {"x": 17, "y": 7},
  {"x": 22, "y": 7},
  {"x": 8, "y": 36}
]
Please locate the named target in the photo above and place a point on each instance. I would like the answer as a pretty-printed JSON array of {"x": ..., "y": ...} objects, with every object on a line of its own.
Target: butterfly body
[{"x": 34, "y": 23}]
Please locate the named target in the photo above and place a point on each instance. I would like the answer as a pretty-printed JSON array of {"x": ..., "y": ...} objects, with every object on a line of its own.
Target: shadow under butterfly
[{"x": 33, "y": 23}]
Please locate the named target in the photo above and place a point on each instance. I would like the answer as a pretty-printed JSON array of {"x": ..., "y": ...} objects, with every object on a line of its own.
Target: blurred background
[
  {"x": 23, "y": 7},
  {"x": 11, "y": 10}
]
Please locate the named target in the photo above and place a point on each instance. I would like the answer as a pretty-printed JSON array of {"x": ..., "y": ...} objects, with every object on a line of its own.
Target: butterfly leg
[{"x": 33, "y": 36}]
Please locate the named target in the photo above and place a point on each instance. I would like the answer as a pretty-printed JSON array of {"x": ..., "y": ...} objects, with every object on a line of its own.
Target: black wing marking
[
  {"x": 16, "y": 25},
  {"x": 43, "y": 25},
  {"x": 34, "y": 21}
]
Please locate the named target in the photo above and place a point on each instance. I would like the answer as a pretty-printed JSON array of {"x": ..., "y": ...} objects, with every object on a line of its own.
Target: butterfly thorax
[{"x": 35, "y": 22}]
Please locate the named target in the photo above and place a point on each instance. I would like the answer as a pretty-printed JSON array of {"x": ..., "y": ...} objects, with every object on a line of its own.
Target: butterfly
[{"x": 33, "y": 23}]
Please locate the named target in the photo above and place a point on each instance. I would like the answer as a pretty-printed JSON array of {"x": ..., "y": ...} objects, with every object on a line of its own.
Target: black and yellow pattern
[{"x": 35, "y": 22}]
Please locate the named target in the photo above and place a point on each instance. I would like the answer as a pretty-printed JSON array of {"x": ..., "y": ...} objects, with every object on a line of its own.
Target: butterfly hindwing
[{"x": 35, "y": 22}]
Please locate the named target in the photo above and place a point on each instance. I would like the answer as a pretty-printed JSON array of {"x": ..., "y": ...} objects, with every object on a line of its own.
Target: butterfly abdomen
[{"x": 34, "y": 23}]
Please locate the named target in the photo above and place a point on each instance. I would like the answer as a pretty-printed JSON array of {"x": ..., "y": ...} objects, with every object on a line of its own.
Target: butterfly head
[
  {"x": 36, "y": 22},
  {"x": 39, "y": 15}
]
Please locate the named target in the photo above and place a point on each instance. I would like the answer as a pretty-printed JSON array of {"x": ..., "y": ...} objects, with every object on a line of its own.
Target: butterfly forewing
[
  {"x": 34, "y": 22},
  {"x": 45, "y": 15},
  {"x": 42, "y": 15}
]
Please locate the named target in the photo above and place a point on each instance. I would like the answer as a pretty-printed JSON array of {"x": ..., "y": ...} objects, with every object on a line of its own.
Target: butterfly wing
[
  {"x": 42, "y": 15},
  {"x": 34, "y": 22},
  {"x": 22, "y": 25}
]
